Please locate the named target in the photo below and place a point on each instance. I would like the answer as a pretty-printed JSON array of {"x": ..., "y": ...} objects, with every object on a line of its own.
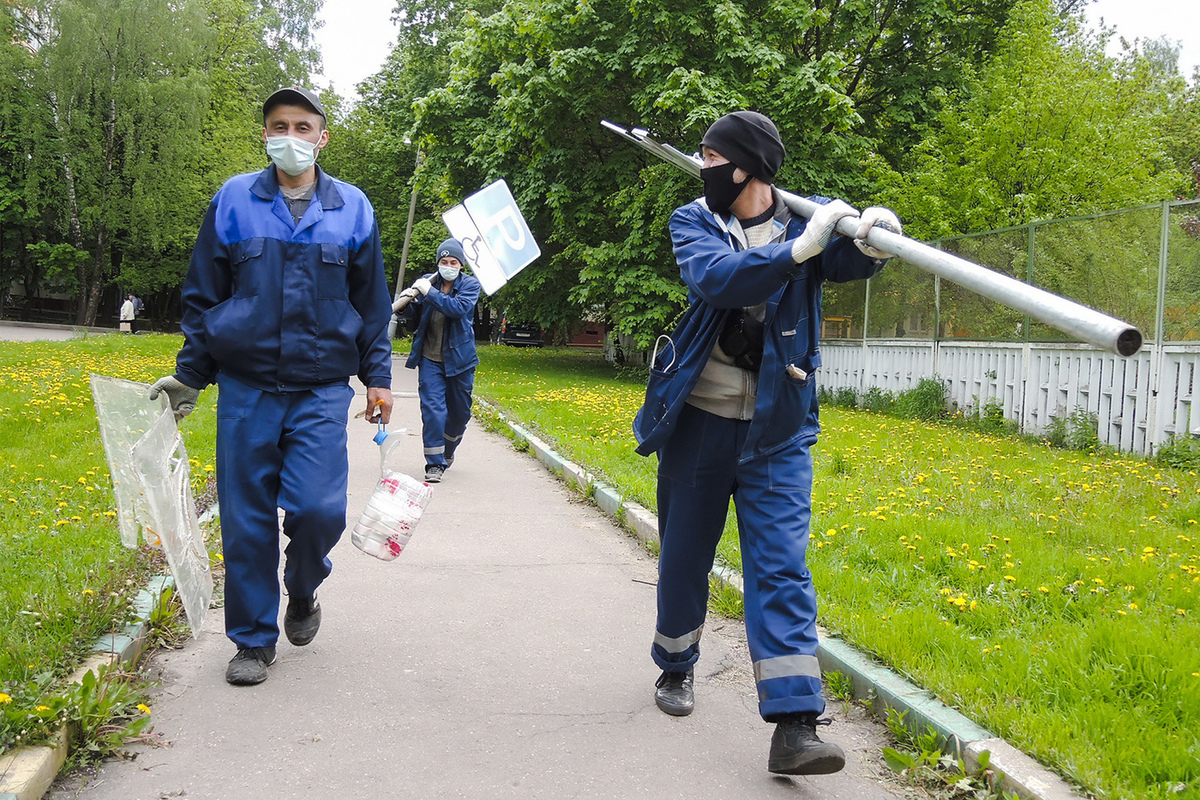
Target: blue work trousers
[
  {"x": 278, "y": 450},
  {"x": 698, "y": 473},
  {"x": 445, "y": 409}
]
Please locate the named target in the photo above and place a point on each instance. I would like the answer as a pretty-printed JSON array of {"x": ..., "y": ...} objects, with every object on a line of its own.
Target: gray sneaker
[
  {"x": 433, "y": 473},
  {"x": 249, "y": 666}
]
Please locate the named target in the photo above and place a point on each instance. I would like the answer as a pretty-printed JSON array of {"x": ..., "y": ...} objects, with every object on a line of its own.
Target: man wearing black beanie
[{"x": 731, "y": 410}]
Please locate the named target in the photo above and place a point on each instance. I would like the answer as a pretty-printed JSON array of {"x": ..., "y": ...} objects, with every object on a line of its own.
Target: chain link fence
[{"x": 1141, "y": 265}]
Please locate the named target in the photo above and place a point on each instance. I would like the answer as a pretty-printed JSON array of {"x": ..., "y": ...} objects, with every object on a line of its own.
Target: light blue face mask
[
  {"x": 449, "y": 273},
  {"x": 292, "y": 155}
]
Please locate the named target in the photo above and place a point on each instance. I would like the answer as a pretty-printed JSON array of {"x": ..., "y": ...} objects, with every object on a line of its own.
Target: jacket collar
[{"x": 266, "y": 186}]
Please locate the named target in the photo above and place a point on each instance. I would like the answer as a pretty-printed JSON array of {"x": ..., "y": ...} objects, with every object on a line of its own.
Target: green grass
[
  {"x": 1048, "y": 594},
  {"x": 65, "y": 579}
]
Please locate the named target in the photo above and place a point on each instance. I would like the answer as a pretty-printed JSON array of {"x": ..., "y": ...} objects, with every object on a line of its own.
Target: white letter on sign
[{"x": 497, "y": 220}]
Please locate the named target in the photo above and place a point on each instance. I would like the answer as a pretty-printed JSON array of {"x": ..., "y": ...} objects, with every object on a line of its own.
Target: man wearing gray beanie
[
  {"x": 443, "y": 349},
  {"x": 731, "y": 410}
]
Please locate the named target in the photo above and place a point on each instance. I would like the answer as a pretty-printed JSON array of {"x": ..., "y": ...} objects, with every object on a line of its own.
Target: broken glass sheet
[{"x": 146, "y": 454}]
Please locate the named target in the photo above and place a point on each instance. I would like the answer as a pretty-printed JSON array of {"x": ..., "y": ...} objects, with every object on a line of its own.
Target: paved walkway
[{"x": 504, "y": 654}]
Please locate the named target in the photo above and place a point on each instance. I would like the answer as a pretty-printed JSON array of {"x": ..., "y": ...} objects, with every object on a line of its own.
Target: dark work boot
[
  {"x": 249, "y": 666},
  {"x": 673, "y": 694},
  {"x": 796, "y": 750},
  {"x": 302, "y": 620}
]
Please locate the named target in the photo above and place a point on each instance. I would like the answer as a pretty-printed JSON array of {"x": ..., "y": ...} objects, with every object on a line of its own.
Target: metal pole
[
  {"x": 412, "y": 210},
  {"x": 1101, "y": 330}
]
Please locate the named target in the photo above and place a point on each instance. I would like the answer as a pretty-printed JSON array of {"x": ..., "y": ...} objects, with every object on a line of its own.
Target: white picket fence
[{"x": 1139, "y": 402}]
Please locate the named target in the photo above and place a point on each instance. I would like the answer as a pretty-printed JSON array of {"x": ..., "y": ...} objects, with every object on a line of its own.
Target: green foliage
[
  {"x": 921, "y": 761},
  {"x": 840, "y": 686},
  {"x": 109, "y": 710},
  {"x": 879, "y": 401},
  {"x": 725, "y": 600},
  {"x": 1182, "y": 452},
  {"x": 517, "y": 90},
  {"x": 925, "y": 401},
  {"x": 1077, "y": 431},
  {"x": 1050, "y": 127}
]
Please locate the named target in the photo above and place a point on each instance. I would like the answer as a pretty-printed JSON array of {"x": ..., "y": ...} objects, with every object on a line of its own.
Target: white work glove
[
  {"x": 422, "y": 285},
  {"x": 410, "y": 293},
  {"x": 183, "y": 397},
  {"x": 819, "y": 230},
  {"x": 871, "y": 217}
]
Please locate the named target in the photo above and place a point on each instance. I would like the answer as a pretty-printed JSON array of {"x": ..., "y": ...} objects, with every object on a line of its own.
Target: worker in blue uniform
[
  {"x": 443, "y": 348},
  {"x": 284, "y": 299},
  {"x": 731, "y": 411}
]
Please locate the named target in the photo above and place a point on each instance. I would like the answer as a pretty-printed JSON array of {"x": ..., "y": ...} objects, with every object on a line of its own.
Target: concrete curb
[
  {"x": 54, "y": 326},
  {"x": 873, "y": 683},
  {"x": 27, "y": 772}
]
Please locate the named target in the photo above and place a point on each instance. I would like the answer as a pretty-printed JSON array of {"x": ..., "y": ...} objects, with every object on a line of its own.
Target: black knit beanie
[{"x": 750, "y": 141}]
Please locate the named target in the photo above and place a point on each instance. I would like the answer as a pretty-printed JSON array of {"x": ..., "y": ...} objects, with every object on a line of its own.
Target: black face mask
[{"x": 720, "y": 190}]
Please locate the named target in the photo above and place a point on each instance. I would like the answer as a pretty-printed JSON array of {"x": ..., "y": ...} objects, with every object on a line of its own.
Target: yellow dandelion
[
  {"x": 4, "y": 699},
  {"x": 145, "y": 709}
]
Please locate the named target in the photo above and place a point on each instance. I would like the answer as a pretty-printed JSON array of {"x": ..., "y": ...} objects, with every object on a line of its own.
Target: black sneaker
[
  {"x": 674, "y": 694},
  {"x": 796, "y": 750},
  {"x": 433, "y": 473},
  {"x": 302, "y": 620},
  {"x": 249, "y": 666}
]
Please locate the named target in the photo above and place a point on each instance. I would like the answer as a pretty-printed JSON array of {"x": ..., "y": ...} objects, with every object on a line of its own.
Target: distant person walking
[
  {"x": 444, "y": 349},
  {"x": 284, "y": 299},
  {"x": 128, "y": 312}
]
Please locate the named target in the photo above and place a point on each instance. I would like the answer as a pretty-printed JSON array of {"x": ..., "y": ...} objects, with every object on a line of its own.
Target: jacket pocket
[
  {"x": 332, "y": 281},
  {"x": 247, "y": 267},
  {"x": 233, "y": 329}
]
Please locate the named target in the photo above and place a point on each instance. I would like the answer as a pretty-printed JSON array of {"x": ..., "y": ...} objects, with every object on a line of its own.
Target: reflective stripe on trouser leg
[
  {"x": 431, "y": 388},
  {"x": 313, "y": 484},
  {"x": 249, "y": 424},
  {"x": 695, "y": 481},
  {"x": 773, "y": 501}
]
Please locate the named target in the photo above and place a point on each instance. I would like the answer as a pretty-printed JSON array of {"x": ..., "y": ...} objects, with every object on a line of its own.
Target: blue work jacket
[
  {"x": 458, "y": 347},
  {"x": 722, "y": 276},
  {"x": 286, "y": 306}
]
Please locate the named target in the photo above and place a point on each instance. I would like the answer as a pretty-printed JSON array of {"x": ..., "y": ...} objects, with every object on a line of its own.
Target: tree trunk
[{"x": 74, "y": 229}]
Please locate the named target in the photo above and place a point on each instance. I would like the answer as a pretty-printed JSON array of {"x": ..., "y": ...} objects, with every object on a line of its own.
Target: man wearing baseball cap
[
  {"x": 731, "y": 411},
  {"x": 284, "y": 299}
]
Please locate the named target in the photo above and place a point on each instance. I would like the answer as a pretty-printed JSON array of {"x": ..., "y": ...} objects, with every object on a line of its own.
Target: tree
[
  {"x": 529, "y": 83},
  {"x": 1051, "y": 128}
]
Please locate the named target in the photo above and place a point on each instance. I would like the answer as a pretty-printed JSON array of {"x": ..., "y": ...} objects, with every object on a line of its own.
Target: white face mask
[
  {"x": 449, "y": 273},
  {"x": 293, "y": 156}
]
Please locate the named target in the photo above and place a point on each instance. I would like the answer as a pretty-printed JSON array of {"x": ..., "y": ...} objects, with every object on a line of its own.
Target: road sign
[{"x": 497, "y": 242}]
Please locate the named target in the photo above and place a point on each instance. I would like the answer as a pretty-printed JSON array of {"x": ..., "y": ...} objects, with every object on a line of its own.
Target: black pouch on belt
[{"x": 742, "y": 340}]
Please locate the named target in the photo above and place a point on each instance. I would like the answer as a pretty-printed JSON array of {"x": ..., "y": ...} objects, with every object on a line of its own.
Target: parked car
[{"x": 522, "y": 334}]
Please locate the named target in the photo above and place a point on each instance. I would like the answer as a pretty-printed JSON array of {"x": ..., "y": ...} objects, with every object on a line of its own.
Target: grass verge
[
  {"x": 65, "y": 579},
  {"x": 1049, "y": 595}
]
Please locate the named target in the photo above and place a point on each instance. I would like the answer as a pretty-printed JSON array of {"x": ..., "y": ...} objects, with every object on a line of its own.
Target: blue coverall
[
  {"x": 763, "y": 463},
  {"x": 279, "y": 314},
  {"x": 445, "y": 387}
]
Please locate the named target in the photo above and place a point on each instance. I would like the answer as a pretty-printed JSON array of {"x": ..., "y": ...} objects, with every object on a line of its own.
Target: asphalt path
[{"x": 504, "y": 654}]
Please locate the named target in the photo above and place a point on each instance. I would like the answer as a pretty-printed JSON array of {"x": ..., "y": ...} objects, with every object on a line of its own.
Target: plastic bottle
[{"x": 392, "y": 512}]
